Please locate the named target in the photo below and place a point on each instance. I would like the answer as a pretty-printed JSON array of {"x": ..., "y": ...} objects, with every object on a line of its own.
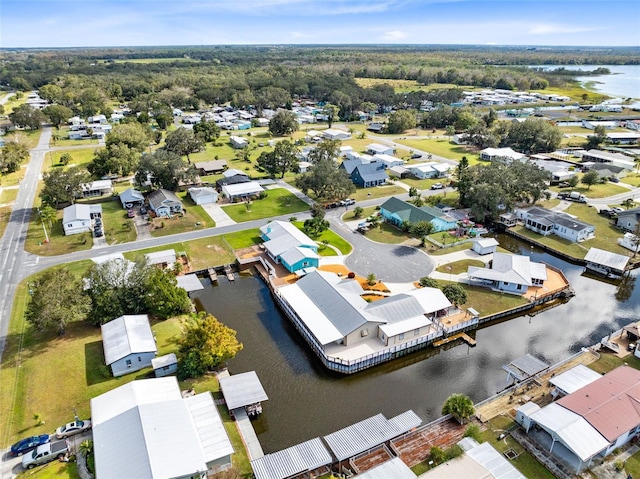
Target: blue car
[{"x": 28, "y": 444}]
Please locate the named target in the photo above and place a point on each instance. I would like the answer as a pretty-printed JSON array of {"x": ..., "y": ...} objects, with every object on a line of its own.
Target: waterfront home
[
  {"x": 503, "y": 154},
  {"x": 161, "y": 259},
  {"x": 589, "y": 423},
  {"x": 286, "y": 244},
  {"x": 305, "y": 458},
  {"x": 128, "y": 344},
  {"x": 165, "y": 203},
  {"x": 511, "y": 273},
  {"x": 628, "y": 220},
  {"x": 573, "y": 379},
  {"x": 135, "y": 420},
  {"x": 546, "y": 222},
  {"x": 77, "y": 218},
  {"x": 339, "y": 324},
  {"x": 131, "y": 197},
  {"x": 397, "y": 212}
]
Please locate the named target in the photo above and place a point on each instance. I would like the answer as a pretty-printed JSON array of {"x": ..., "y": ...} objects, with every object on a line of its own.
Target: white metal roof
[
  {"x": 573, "y": 430},
  {"x": 150, "y": 424},
  {"x": 158, "y": 257},
  {"x": 460, "y": 467},
  {"x": 189, "y": 282},
  {"x": 575, "y": 378},
  {"x": 606, "y": 258},
  {"x": 393, "y": 469},
  {"x": 162, "y": 361},
  {"x": 494, "y": 462},
  {"x": 233, "y": 172},
  {"x": 127, "y": 335},
  {"x": 242, "y": 188},
  {"x": 213, "y": 438},
  {"x": 303, "y": 457},
  {"x": 108, "y": 257},
  {"x": 525, "y": 366},
  {"x": 242, "y": 389},
  {"x": 201, "y": 191},
  {"x": 487, "y": 242},
  {"x": 284, "y": 229},
  {"x": 528, "y": 408},
  {"x": 76, "y": 212},
  {"x": 364, "y": 435}
]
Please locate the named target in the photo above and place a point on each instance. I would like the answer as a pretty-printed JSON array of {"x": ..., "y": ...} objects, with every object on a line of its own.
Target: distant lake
[{"x": 624, "y": 80}]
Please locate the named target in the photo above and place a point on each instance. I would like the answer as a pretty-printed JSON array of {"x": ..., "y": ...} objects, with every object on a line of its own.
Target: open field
[
  {"x": 279, "y": 201},
  {"x": 442, "y": 147},
  {"x": 402, "y": 86},
  {"x": 376, "y": 192},
  {"x": 79, "y": 157}
]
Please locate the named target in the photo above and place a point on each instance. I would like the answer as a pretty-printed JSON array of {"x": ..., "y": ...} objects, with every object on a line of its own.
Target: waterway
[{"x": 306, "y": 401}]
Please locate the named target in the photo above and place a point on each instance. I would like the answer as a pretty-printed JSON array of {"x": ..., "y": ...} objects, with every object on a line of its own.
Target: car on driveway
[
  {"x": 72, "y": 428},
  {"x": 617, "y": 210},
  {"x": 29, "y": 444},
  {"x": 416, "y": 156},
  {"x": 437, "y": 186}
]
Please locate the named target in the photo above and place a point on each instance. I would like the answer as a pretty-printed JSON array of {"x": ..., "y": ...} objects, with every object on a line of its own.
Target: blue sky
[{"x": 70, "y": 23}]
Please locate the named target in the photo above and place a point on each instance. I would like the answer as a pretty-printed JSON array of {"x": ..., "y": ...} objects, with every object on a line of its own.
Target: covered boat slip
[
  {"x": 605, "y": 262},
  {"x": 524, "y": 367},
  {"x": 243, "y": 391}
]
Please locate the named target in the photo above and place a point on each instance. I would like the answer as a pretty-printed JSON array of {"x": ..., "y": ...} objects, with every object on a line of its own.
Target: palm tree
[{"x": 459, "y": 406}]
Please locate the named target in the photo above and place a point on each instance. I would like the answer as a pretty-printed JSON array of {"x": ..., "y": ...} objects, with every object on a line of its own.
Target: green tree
[
  {"x": 48, "y": 214},
  {"x": 400, "y": 121},
  {"x": 182, "y": 142},
  {"x": 473, "y": 431},
  {"x": 26, "y": 116},
  {"x": 57, "y": 114},
  {"x": 590, "y": 178},
  {"x": 12, "y": 155},
  {"x": 358, "y": 211},
  {"x": 437, "y": 455},
  {"x": 313, "y": 227},
  {"x": 325, "y": 150},
  {"x": 464, "y": 179},
  {"x": 573, "y": 181},
  {"x": 371, "y": 279},
  {"x": 598, "y": 137},
  {"x": 465, "y": 121},
  {"x": 459, "y": 406},
  {"x": 534, "y": 135},
  {"x": 165, "y": 169},
  {"x": 421, "y": 229},
  {"x": 56, "y": 300},
  {"x": 450, "y": 130},
  {"x": 326, "y": 180},
  {"x": 62, "y": 186},
  {"x": 455, "y": 293},
  {"x": 123, "y": 147},
  {"x": 413, "y": 192},
  {"x": 282, "y": 159},
  {"x": 65, "y": 158},
  {"x": 164, "y": 298},
  {"x": 427, "y": 282},
  {"x": 283, "y": 123},
  {"x": 206, "y": 131},
  {"x": 205, "y": 344}
]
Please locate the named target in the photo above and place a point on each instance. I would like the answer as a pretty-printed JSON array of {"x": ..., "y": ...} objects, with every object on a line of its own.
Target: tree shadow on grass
[{"x": 96, "y": 371}]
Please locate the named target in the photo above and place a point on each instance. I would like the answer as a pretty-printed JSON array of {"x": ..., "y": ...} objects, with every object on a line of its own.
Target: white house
[
  {"x": 165, "y": 258},
  {"x": 333, "y": 134},
  {"x": 491, "y": 154},
  {"x": 546, "y": 222},
  {"x": 512, "y": 273},
  {"x": 77, "y": 218},
  {"x": 147, "y": 430},
  {"x": 484, "y": 246},
  {"x": 128, "y": 344},
  {"x": 378, "y": 149},
  {"x": 97, "y": 188},
  {"x": 242, "y": 191},
  {"x": 238, "y": 142},
  {"x": 388, "y": 160},
  {"x": 428, "y": 170},
  {"x": 131, "y": 197},
  {"x": 203, "y": 195}
]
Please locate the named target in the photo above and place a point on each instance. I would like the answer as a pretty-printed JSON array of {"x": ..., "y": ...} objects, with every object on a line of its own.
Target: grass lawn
[
  {"x": 549, "y": 203},
  {"x": 117, "y": 227},
  {"x": 386, "y": 233},
  {"x": 8, "y": 195},
  {"x": 362, "y": 194},
  {"x": 458, "y": 267},
  {"x": 58, "y": 242},
  {"x": 423, "y": 184},
  {"x": 5, "y": 214},
  {"x": 278, "y": 202},
  {"x": 64, "y": 141},
  {"x": 366, "y": 212},
  {"x": 631, "y": 179},
  {"x": 14, "y": 102},
  {"x": 195, "y": 218},
  {"x": 601, "y": 190},
  {"x": 442, "y": 147},
  {"x": 488, "y": 302},
  {"x": 53, "y": 470},
  {"x": 632, "y": 465},
  {"x": 80, "y": 158},
  {"x": 608, "y": 362},
  {"x": 332, "y": 239},
  {"x": 435, "y": 251}
]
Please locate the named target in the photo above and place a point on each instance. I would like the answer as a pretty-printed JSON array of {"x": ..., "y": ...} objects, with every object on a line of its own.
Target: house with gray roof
[
  {"x": 364, "y": 172},
  {"x": 77, "y": 218},
  {"x": 628, "y": 220},
  {"x": 147, "y": 430},
  {"x": 546, "y": 222},
  {"x": 165, "y": 203},
  {"x": 128, "y": 344},
  {"x": 512, "y": 273},
  {"x": 286, "y": 244},
  {"x": 131, "y": 197},
  {"x": 203, "y": 195},
  {"x": 396, "y": 212}
]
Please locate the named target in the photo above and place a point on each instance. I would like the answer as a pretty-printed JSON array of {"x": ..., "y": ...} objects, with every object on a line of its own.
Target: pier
[{"x": 464, "y": 336}]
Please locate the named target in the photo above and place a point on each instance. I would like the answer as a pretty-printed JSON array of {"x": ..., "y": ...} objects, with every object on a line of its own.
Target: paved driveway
[{"x": 393, "y": 263}]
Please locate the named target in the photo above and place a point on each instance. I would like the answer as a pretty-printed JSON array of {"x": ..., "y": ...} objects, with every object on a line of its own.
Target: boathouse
[
  {"x": 524, "y": 367},
  {"x": 243, "y": 391},
  {"x": 606, "y": 263},
  {"x": 310, "y": 457}
]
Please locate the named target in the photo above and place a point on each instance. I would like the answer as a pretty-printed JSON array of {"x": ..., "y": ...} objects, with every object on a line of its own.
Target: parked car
[
  {"x": 631, "y": 347},
  {"x": 130, "y": 213},
  {"x": 45, "y": 453},
  {"x": 99, "y": 232},
  {"x": 72, "y": 428},
  {"x": 416, "y": 156},
  {"x": 617, "y": 209},
  {"x": 437, "y": 186},
  {"x": 563, "y": 184},
  {"x": 29, "y": 444},
  {"x": 613, "y": 179}
]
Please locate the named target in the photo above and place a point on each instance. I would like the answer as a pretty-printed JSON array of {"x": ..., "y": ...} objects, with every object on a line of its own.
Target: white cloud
[
  {"x": 394, "y": 35},
  {"x": 550, "y": 28}
]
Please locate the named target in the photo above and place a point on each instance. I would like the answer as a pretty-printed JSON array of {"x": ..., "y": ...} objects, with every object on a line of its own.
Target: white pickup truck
[{"x": 45, "y": 453}]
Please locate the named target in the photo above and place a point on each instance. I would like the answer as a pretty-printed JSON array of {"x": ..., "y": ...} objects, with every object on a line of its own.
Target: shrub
[{"x": 473, "y": 431}]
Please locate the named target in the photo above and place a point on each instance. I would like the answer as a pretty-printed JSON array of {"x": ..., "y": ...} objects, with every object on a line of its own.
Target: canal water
[{"x": 306, "y": 401}]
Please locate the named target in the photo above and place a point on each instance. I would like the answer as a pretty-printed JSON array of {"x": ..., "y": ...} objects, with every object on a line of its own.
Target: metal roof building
[
  {"x": 189, "y": 282},
  {"x": 127, "y": 335},
  {"x": 575, "y": 378},
  {"x": 369, "y": 433},
  {"x": 524, "y": 367},
  {"x": 613, "y": 261},
  {"x": 393, "y": 469},
  {"x": 304, "y": 457},
  {"x": 240, "y": 390},
  {"x": 494, "y": 462},
  {"x": 167, "y": 256},
  {"x": 160, "y": 434}
]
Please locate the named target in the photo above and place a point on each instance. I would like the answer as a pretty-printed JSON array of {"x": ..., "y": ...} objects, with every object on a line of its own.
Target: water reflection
[{"x": 306, "y": 400}]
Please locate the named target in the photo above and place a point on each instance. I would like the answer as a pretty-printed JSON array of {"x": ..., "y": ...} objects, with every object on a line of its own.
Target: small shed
[
  {"x": 165, "y": 258},
  {"x": 484, "y": 246},
  {"x": 524, "y": 412},
  {"x": 243, "y": 391},
  {"x": 165, "y": 365}
]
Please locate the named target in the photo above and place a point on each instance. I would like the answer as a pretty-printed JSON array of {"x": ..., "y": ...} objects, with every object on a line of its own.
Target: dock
[
  {"x": 229, "y": 272},
  {"x": 213, "y": 276},
  {"x": 464, "y": 336}
]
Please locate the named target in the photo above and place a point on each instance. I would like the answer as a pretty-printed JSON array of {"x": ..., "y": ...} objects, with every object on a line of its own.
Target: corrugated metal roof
[
  {"x": 401, "y": 307},
  {"x": 162, "y": 361},
  {"x": 573, "y": 430},
  {"x": 494, "y": 462},
  {"x": 528, "y": 408},
  {"x": 126, "y": 335},
  {"x": 605, "y": 258},
  {"x": 158, "y": 257},
  {"x": 406, "y": 421},
  {"x": 298, "y": 253},
  {"x": 242, "y": 389},
  {"x": 303, "y": 457},
  {"x": 189, "y": 282},
  {"x": 575, "y": 378},
  {"x": 366, "y": 434},
  {"x": 393, "y": 469},
  {"x": 525, "y": 366},
  {"x": 487, "y": 242},
  {"x": 247, "y": 188},
  {"x": 213, "y": 438}
]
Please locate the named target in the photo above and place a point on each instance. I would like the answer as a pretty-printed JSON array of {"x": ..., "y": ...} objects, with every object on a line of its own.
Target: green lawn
[
  {"x": 435, "y": 251},
  {"x": 332, "y": 239},
  {"x": 79, "y": 157},
  {"x": 195, "y": 218},
  {"x": 8, "y": 195},
  {"x": 601, "y": 190},
  {"x": 117, "y": 227},
  {"x": 382, "y": 191},
  {"x": 58, "y": 242},
  {"x": 278, "y": 202},
  {"x": 488, "y": 302},
  {"x": 442, "y": 147},
  {"x": 366, "y": 212},
  {"x": 53, "y": 470},
  {"x": 632, "y": 179},
  {"x": 423, "y": 184},
  {"x": 386, "y": 233},
  {"x": 458, "y": 267}
]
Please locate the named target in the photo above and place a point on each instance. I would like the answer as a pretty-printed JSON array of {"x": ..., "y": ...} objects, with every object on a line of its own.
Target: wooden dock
[
  {"x": 213, "y": 276},
  {"x": 229, "y": 272},
  {"x": 464, "y": 336}
]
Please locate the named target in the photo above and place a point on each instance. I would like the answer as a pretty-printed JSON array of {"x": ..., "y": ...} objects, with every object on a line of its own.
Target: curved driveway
[{"x": 392, "y": 263}]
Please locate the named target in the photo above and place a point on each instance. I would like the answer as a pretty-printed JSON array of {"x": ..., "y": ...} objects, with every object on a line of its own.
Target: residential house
[
  {"x": 232, "y": 180},
  {"x": 304, "y": 166},
  {"x": 160, "y": 433},
  {"x": 632, "y": 125},
  {"x": 333, "y": 134},
  {"x": 165, "y": 203},
  {"x": 559, "y": 176},
  {"x": 396, "y": 212},
  {"x": 628, "y": 220},
  {"x": 128, "y": 343},
  {"x": 378, "y": 149},
  {"x": 97, "y": 188},
  {"x": 387, "y": 160},
  {"x": 606, "y": 263},
  {"x": 399, "y": 172},
  {"x": 162, "y": 259},
  {"x": 511, "y": 273},
  {"x": 504, "y": 154},
  {"x": 546, "y": 222},
  {"x": 130, "y": 197},
  {"x": 77, "y": 218},
  {"x": 592, "y": 124},
  {"x": 484, "y": 246},
  {"x": 238, "y": 142},
  {"x": 203, "y": 195},
  {"x": 344, "y": 150},
  {"x": 428, "y": 170},
  {"x": 367, "y": 175},
  {"x": 622, "y": 138},
  {"x": 376, "y": 128},
  {"x": 591, "y": 422},
  {"x": 211, "y": 167},
  {"x": 241, "y": 191},
  {"x": 616, "y": 159},
  {"x": 573, "y": 379},
  {"x": 232, "y": 172},
  {"x": 461, "y": 139},
  {"x": 287, "y": 245},
  {"x": 608, "y": 170}
]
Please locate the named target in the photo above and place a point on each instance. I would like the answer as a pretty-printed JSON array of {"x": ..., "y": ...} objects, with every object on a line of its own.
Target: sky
[{"x": 99, "y": 23}]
